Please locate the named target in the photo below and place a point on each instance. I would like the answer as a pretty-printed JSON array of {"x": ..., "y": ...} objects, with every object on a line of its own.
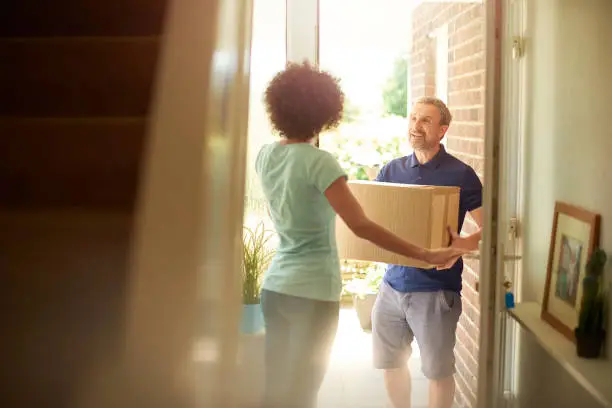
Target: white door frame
[
  {"x": 501, "y": 251},
  {"x": 303, "y": 31},
  {"x": 491, "y": 295},
  {"x": 513, "y": 176},
  {"x": 440, "y": 36}
]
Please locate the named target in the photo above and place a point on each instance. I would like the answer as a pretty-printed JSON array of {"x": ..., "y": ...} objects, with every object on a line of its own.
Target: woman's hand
[{"x": 444, "y": 256}]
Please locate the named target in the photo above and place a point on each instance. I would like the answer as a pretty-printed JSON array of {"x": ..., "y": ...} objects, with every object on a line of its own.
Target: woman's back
[{"x": 294, "y": 177}]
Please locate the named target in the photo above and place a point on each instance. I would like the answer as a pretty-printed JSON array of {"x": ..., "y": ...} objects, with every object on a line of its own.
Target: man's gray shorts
[{"x": 429, "y": 317}]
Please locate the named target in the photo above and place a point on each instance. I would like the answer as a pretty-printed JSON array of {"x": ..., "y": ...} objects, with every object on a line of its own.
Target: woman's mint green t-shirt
[{"x": 294, "y": 178}]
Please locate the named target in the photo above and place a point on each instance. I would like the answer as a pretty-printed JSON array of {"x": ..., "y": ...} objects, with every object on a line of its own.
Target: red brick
[
  {"x": 467, "y": 130},
  {"x": 469, "y": 364},
  {"x": 468, "y": 370},
  {"x": 474, "y": 80},
  {"x": 473, "y": 147},
  {"x": 467, "y": 32},
  {"x": 474, "y": 12},
  {"x": 418, "y": 91},
  {"x": 468, "y": 49},
  {"x": 417, "y": 68},
  {"x": 470, "y": 294},
  {"x": 463, "y": 66},
  {"x": 472, "y": 264},
  {"x": 465, "y": 139},
  {"x": 468, "y": 395},
  {"x": 481, "y": 114},
  {"x": 469, "y": 114},
  {"x": 471, "y": 313},
  {"x": 465, "y": 98}
]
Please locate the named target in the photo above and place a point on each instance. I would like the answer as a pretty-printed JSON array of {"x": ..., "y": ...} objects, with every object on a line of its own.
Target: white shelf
[{"x": 594, "y": 375}]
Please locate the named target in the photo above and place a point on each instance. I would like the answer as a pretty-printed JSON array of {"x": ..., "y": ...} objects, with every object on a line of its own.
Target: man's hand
[{"x": 458, "y": 242}]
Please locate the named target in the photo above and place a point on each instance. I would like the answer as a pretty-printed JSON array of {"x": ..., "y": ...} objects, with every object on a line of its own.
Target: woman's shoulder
[
  {"x": 263, "y": 153},
  {"x": 316, "y": 154},
  {"x": 267, "y": 147}
]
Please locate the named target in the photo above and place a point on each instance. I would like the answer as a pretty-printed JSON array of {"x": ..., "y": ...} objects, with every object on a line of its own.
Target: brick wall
[{"x": 465, "y": 138}]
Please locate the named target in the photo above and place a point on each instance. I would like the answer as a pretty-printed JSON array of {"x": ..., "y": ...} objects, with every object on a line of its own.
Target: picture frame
[{"x": 574, "y": 236}]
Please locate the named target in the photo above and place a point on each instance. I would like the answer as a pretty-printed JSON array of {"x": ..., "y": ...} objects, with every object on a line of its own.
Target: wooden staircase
[
  {"x": 76, "y": 79},
  {"x": 75, "y": 85}
]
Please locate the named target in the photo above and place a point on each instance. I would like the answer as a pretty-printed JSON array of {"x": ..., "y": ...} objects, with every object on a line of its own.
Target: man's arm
[
  {"x": 467, "y": 242},
  {"x": 470, "y": 242},
  {"x": 471, "y": 200}
]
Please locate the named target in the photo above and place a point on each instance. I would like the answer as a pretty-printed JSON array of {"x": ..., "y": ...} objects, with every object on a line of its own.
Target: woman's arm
[{"x": 348, "y": 208}]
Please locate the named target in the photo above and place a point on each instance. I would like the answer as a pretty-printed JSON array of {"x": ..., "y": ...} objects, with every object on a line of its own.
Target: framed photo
[{"x": 575, "y": 234}]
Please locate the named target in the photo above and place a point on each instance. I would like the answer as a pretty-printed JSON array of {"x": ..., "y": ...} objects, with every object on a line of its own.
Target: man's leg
[
  {"x": 433, "y": 317},
  {"x": 442, "y": 392},
  {"x": 391, "y": 338},
  {"x": 399, "y": 386}
]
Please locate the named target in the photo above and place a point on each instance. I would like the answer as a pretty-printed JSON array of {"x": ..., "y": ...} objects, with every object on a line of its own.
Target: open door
[
  {"x": 501, "y": 248},
  {"x": 183, "y": 303}
]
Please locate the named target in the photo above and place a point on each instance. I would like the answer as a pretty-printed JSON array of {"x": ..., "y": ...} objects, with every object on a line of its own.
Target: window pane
[
  {"x": 367, "y": 48},
  {"x": 268, "y": 56}
]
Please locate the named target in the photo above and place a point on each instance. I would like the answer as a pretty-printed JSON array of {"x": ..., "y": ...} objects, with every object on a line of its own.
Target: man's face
[{"x": 425, "y": 131}]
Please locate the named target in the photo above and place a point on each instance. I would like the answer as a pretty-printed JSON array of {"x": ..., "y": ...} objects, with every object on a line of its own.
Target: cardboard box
[{"x": 418, "y": 214}]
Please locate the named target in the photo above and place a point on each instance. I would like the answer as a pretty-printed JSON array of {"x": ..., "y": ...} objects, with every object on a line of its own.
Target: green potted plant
[
  {"x": 257, "y": 254},
  {"x": 590, "y": 333},
  {"x": 364, "y": 291}
]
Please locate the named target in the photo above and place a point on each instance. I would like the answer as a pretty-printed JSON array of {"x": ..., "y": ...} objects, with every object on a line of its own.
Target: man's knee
[
  {"x": 438, "y": 364},
  {"x": 396, "y": 372},
  {"x": 435, "y": 324},
  {"x": 390, "y": 348}
]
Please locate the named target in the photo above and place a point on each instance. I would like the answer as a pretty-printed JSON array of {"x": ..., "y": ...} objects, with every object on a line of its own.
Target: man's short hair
[{"x": 445, "y": 115}]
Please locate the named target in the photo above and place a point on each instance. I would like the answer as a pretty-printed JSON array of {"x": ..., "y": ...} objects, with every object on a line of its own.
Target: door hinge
[{"x": 518, "y": 47}]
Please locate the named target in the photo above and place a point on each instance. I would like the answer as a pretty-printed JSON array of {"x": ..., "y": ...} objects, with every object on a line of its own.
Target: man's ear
[{"x": 443, "y": 130}]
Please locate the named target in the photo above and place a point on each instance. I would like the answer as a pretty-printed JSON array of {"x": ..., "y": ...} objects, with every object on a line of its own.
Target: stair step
[
  {"x": 25, "y": 18},
  {"x": 81, "y": 76},
  {"x": 70, "y": 162}
]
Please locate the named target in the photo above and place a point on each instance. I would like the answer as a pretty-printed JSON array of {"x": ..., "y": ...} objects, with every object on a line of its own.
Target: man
[{"x": 424, "y": 304}]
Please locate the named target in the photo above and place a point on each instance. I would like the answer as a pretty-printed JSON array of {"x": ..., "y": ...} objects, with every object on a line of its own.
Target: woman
[{"x": 305, "y": 189}]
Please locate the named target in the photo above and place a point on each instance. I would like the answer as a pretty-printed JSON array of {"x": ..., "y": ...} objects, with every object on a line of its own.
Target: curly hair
[{"x": 302, "y": 101}]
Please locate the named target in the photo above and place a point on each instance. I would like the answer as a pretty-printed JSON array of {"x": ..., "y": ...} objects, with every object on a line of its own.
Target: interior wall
[
  {"x": 568, "y": 141},
  {"x": 559, "y": 390}
]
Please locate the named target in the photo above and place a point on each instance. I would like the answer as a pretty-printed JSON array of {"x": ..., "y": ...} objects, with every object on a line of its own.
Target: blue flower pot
[{"x": 252, "y": 319}]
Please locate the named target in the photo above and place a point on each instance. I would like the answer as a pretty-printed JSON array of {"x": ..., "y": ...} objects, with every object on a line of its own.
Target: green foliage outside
[
  {"x": 366, "y": 280},
  {"x": 395, "y": 91},
  {"x": 352, "y": 112},
  {"x": 366, "y": 144}
]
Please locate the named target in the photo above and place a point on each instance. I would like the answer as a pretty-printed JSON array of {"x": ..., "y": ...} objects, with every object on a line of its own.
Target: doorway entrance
[
  {"x": 454, "y": 29},
  {"x": 387, "y": 55},
  {"x": 412, "y": 49}
]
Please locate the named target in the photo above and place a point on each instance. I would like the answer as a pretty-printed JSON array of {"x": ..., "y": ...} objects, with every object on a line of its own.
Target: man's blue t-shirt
[{"x": 442, "y": 170}]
